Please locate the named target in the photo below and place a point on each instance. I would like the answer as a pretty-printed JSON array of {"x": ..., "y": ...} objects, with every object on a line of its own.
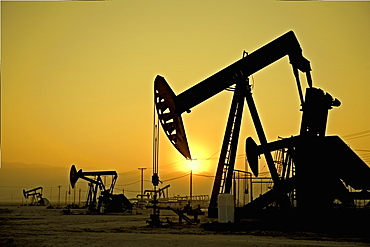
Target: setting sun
[{"x": 193, "y": 165}]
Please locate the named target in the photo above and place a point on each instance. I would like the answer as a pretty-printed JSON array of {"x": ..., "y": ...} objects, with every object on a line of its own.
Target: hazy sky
[{"x": 77, "y": 78}]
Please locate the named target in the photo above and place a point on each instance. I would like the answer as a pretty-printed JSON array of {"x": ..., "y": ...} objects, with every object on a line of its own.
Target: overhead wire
[
  {"x": 128, "y": 183},
  {"x": 362, "y": 150},
  {"x": 356, "y": 135},
  {"x": 170, "y": 179}
]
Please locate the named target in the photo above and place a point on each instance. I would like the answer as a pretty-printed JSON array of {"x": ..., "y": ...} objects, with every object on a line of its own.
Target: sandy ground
[{"x": 38, "y": 226}]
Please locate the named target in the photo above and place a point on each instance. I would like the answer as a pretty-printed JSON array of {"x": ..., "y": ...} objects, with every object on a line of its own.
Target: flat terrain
[{"x": 38, "y": 226}]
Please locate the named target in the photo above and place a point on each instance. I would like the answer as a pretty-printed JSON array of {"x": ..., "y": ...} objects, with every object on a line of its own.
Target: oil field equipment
[
  {"x": 36, "y": 197},
  {"x": 156, "y": 193},
  {"x": 320, "y": 174},
  {"x": 100, "y": 198}
]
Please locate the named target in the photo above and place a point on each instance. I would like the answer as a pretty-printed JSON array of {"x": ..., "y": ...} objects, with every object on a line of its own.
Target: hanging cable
[
  {"x": 155, "y": 177},
  {"x": 357, "y": 135}
]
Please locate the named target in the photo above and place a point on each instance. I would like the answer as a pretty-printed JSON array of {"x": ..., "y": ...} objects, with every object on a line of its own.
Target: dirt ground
[{"x": 38, "y": 226}]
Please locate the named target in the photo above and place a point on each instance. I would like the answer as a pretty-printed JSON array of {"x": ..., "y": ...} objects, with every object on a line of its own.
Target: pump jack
[
  {"x": 36, "y": 196},
  {"x": 106, "y": 201},
  {"x": 313, "y": 153}
]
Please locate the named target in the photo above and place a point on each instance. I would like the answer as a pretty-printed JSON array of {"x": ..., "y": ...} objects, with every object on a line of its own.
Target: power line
[
  {"x": 185, "y": 175},
  {"x": 203, "y": 175},
  {"x": 136, "y": 191},
  {"x": 357, "y": 135},
  {"x": 362, "y": 150},
  {"x": 129, "y": 183}
]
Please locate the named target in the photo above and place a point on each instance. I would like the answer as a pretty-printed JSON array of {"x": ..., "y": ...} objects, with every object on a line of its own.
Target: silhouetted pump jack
[
  {"x": 315, "y": 156},
  {"x": 105, "y": 201},
  {"x": 36, "y": 196}
]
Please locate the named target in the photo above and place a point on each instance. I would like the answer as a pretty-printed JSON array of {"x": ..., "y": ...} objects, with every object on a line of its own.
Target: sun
[
  {"x": 193, "y": 165},
  {"x": 202, "y": 162}
]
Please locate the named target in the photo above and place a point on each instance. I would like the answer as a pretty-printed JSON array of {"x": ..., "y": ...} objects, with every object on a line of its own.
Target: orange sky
[{"x": 77, "y": 79}]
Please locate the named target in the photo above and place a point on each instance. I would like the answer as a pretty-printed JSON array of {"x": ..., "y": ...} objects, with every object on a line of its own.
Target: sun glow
[{"x": 193, "y": 165}]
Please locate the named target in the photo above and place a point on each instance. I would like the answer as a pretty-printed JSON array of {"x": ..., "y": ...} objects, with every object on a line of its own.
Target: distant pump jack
[{"x": 105, "y": 201}]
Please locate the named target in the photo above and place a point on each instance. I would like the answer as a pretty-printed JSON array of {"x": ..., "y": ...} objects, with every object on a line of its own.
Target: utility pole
[
  {"x": 59, "y": 194},
  {"x": 51, "y": 193},
  {"x": 79, "y": 196},
  {"x": 74, "y": 195},
  {"x": 65, "y": 201},
  {"x": 142, "y": 181},
  {"x": 191, "y": 186}
]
